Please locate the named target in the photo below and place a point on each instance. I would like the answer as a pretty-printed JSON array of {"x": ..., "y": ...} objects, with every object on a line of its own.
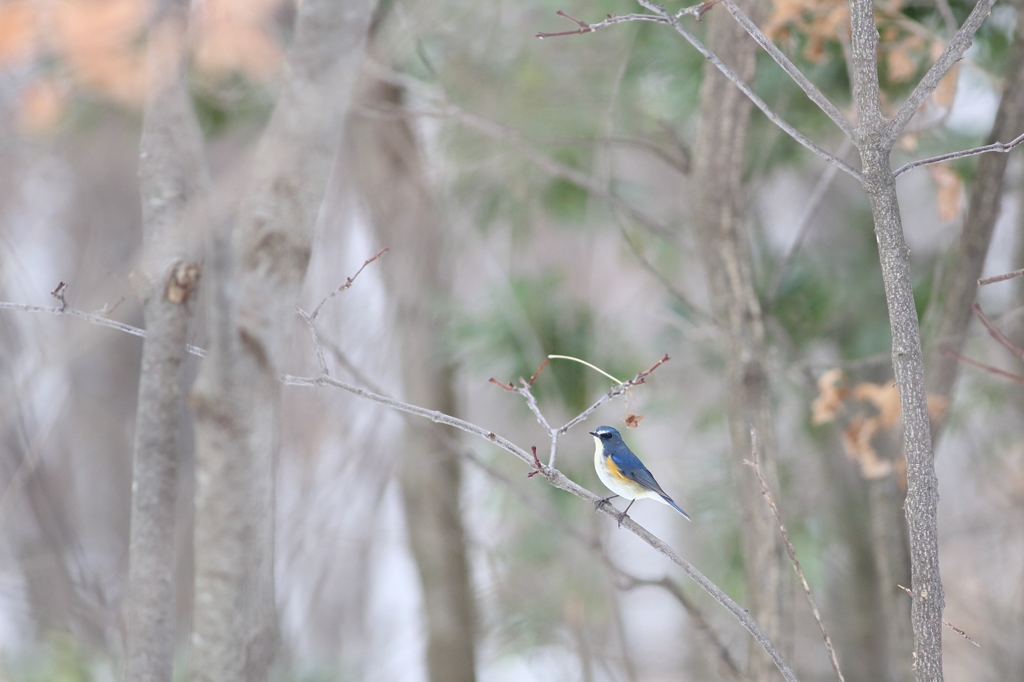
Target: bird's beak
[{"x": 593, "y": 433}]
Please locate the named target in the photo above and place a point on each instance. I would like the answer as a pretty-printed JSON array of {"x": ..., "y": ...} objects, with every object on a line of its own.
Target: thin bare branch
[
  {"x": 695, "y": 11},
  {"x": 348, "y": 282},
  {"x": 728, "y": 665},
  {"x": 755, "y": 464},
  {"x": 1005, "y": 342},
  {"x": 981, "y": 365},
  {"x": 310, "y": 318},
  {"x": 694, "y": 309},
  {"x": 1001, "y": 147},
  {"x": 811, "y": 90},
  {"x": 1000, "y": 278},
  {"x": 953, "y": 53},
  {"x": 612, "y": 19},
  {"x": 94, "y": 318}
]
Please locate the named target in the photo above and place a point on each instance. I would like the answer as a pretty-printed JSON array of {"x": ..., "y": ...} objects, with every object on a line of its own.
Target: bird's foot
[{"x": 619, "y": 515}]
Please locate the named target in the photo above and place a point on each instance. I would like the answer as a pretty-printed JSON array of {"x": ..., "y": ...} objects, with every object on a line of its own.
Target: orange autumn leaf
[
  {"x": 831, "y": 393},
  {"x": 857, "y": 443},
  {"x": 885, "y": 398}
]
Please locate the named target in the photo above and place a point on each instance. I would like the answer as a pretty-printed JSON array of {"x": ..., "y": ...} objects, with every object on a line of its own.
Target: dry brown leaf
[
  {"x": 857, "y": 443},
  {"x": 874, "y": 468},
  {"x": 831, "y": 393},
  {"x": 633, "y": 420},
  {"x": 950, "y": 188},
  {"x": 885, "y": 398}
]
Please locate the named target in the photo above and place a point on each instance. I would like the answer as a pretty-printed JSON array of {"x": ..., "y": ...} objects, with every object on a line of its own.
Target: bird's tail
[{"x": 670, "y": 502}]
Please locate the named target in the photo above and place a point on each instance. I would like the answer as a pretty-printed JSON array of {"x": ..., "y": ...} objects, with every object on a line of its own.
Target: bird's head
[{"x": 606, "y": 435}]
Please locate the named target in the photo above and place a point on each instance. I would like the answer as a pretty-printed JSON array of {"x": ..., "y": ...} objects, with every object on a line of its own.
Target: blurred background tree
[{"x": 562, "y": 180}]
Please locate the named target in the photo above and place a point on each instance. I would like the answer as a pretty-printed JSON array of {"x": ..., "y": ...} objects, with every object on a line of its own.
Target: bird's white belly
[{"x": 612, "y": 482}]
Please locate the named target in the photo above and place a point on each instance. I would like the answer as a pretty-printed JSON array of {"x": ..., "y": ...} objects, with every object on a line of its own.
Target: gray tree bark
[
  {"x": 874, "y": 138},
  {"x": 172, "y": 173},
  {"x": 237, "y": 395},
  {"x": 720, "y": 211},
  {"x": 417, "y": 272}
]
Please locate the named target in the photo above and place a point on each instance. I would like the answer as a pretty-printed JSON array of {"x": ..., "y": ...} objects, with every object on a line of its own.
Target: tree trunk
[
  {"x": 874, "y": 141},
  {"x": 171, "y": 173},
  {"x": 237, "y": 394},
  {"x": 721, "y": 219},
  {"x": 417, "y": 272}
]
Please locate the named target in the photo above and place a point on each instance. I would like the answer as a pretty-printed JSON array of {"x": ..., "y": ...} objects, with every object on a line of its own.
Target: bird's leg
[
  {"x": 599, "y": 503},
  {"x": 623, "y": 514}
]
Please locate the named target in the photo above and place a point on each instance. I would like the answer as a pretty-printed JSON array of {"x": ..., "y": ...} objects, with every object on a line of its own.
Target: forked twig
[
  {"x": 310, "y": 318},
  {"x": 695, "y": 11},
  {"x": 525, "y": 390},
  {"x": 348, "y": 281}
]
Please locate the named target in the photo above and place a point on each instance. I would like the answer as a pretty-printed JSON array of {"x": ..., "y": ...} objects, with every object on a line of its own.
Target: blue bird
[{"x": 624, "y": 473}]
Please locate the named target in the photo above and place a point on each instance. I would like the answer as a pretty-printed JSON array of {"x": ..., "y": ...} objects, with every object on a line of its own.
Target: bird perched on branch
[{"x": 624, "y": 473}]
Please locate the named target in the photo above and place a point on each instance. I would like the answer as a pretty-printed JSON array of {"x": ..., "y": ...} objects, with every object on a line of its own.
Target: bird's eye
[{"x": 606, "y": 436}]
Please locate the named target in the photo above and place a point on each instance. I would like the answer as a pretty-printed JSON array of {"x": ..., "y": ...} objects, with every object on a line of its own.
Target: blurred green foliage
[
  {"x": 60, "y": 658},
  {"x": 516, "y": 327}
]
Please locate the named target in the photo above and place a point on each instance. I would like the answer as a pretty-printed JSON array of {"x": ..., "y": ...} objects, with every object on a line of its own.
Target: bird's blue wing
[{"x": 631, "y": 467}]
